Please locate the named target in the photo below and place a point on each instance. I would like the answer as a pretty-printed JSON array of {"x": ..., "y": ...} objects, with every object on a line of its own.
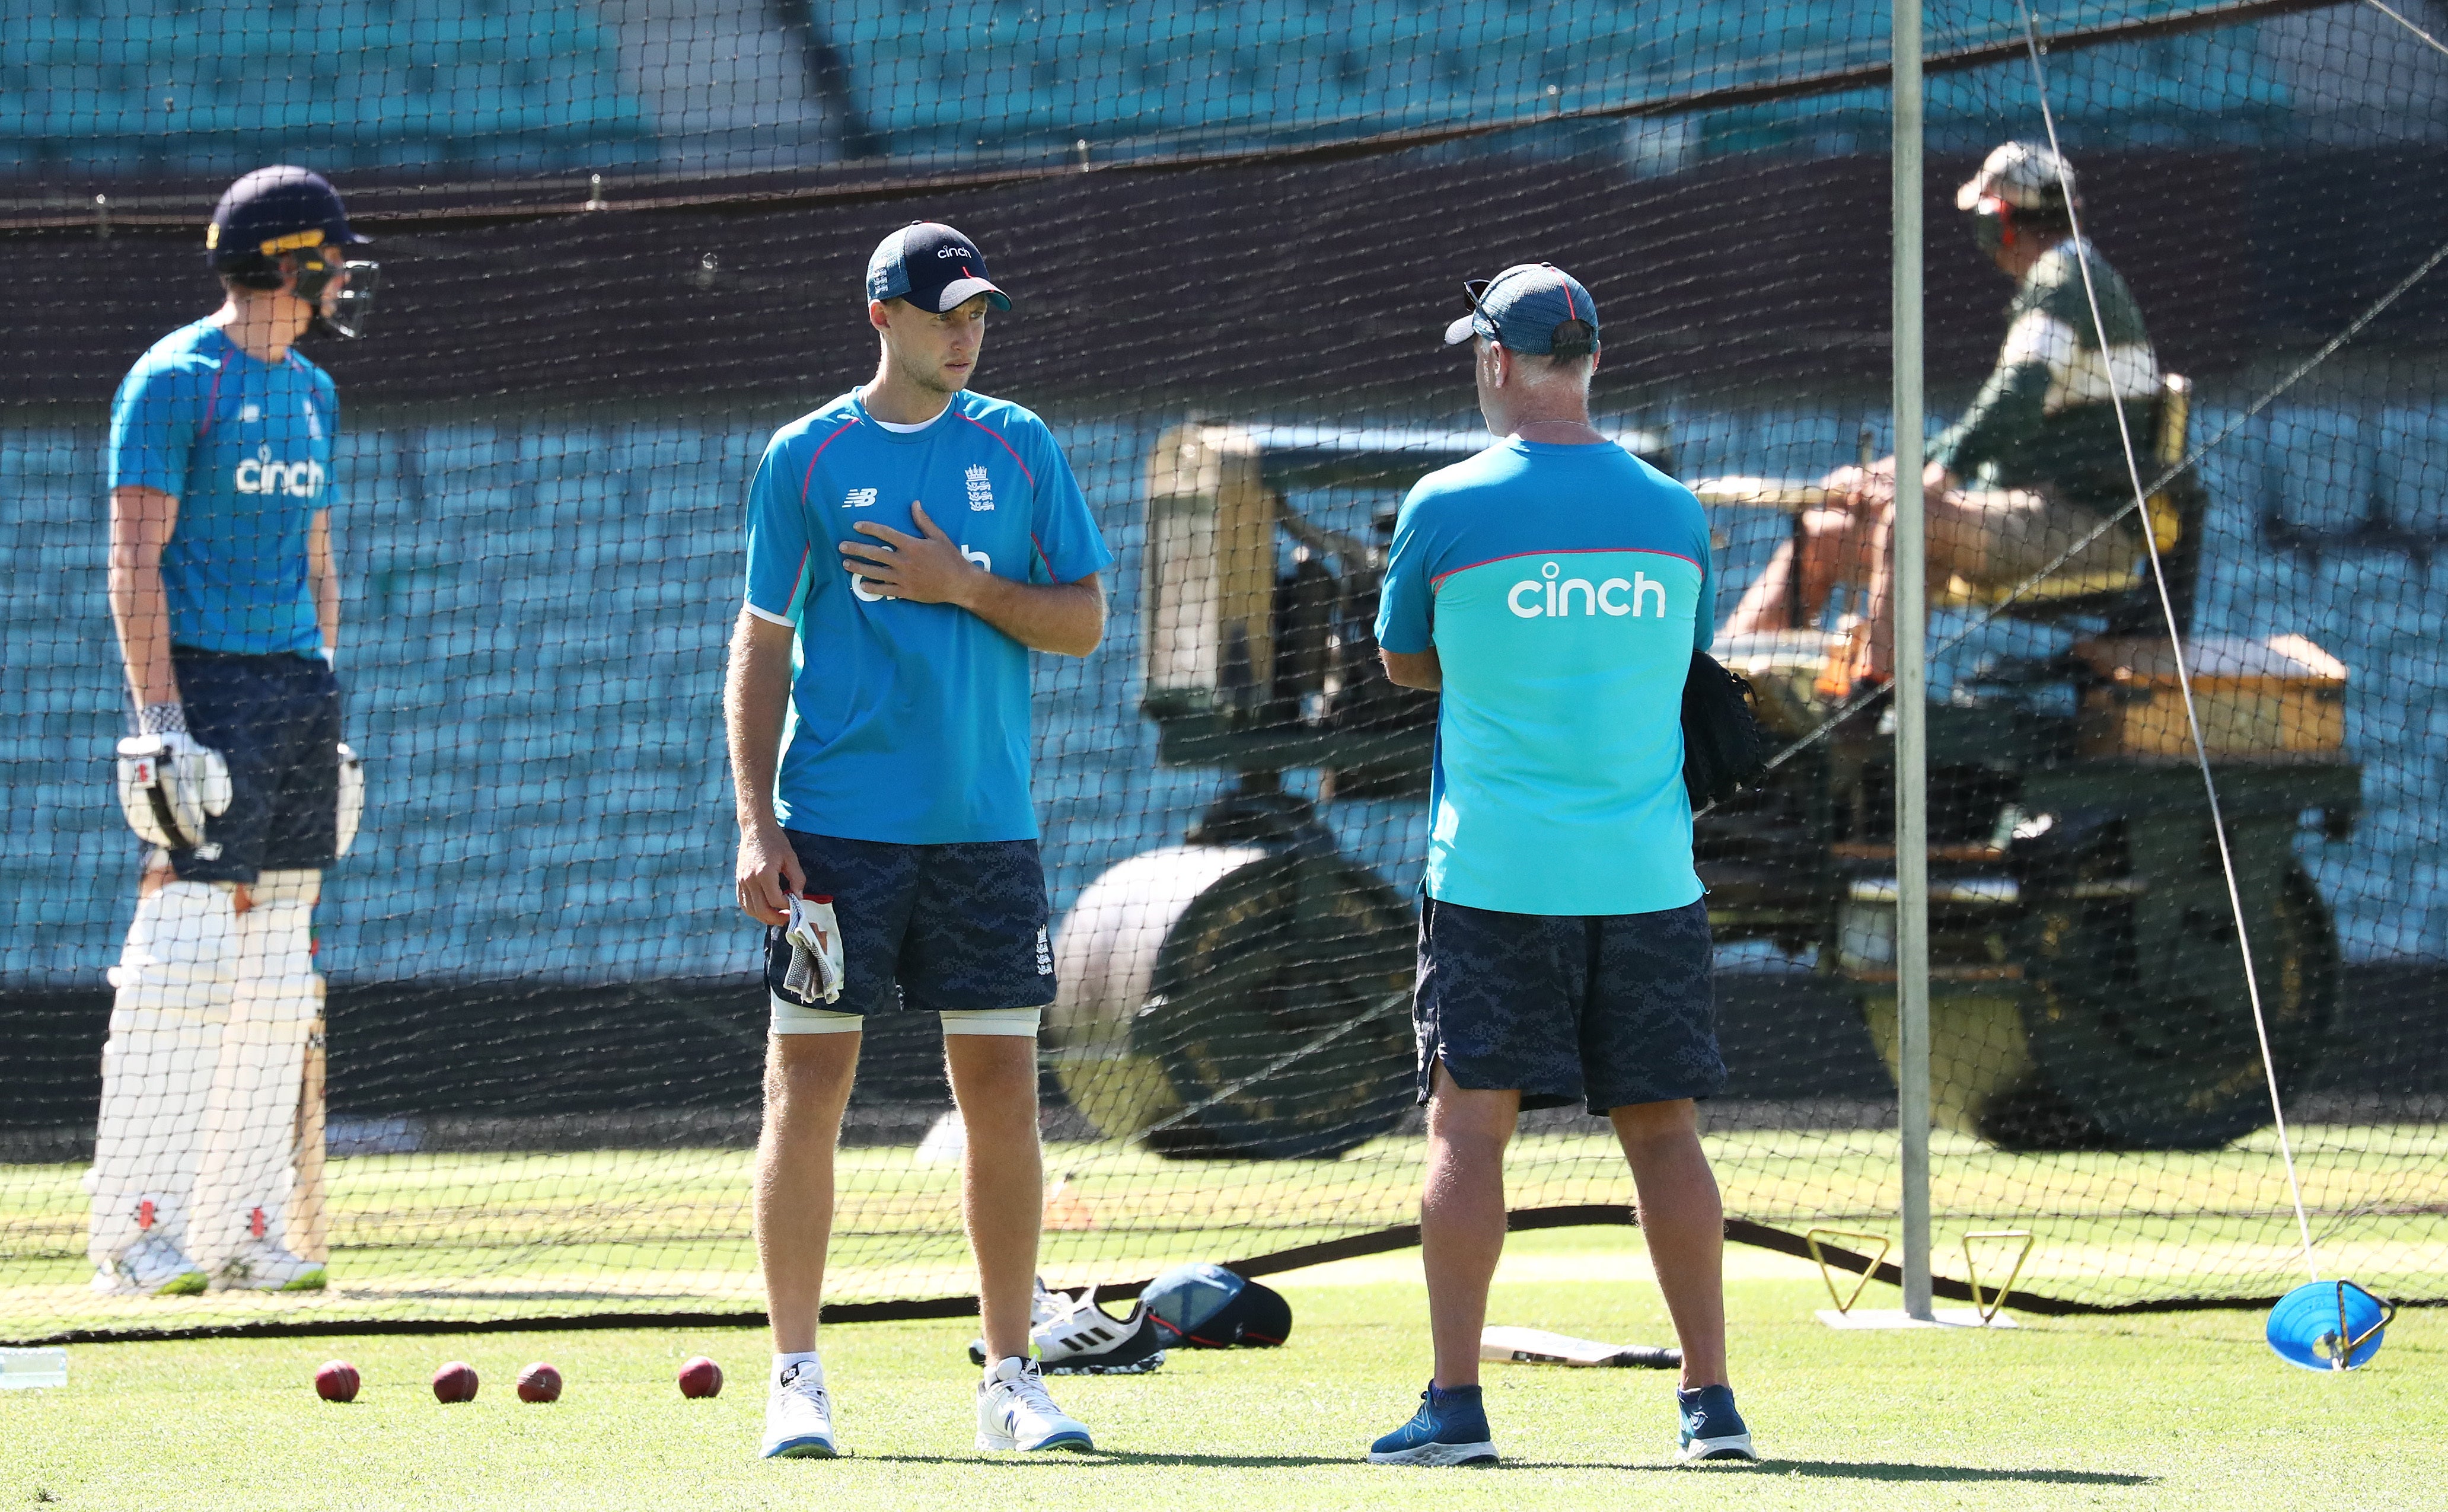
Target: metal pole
[{"x": 1912, "y": 678}]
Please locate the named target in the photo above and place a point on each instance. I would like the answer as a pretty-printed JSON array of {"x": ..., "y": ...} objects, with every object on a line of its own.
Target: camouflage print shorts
[
  {"x": 955, "y": 928},
  {"x": 1612, "y": 1010}
]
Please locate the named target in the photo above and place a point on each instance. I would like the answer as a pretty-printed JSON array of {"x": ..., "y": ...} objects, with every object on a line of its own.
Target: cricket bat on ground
[
  {"x": 309, "y": 1228},
  {"x": 1538, "y": 1346}
]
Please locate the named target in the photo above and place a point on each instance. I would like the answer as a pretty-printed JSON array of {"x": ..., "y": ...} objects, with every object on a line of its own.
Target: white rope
[
  {"x": 2176, "y": 639},
  {"x": 2436, "y": 46}
]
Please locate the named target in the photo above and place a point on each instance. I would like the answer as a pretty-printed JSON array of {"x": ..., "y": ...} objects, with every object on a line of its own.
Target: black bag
[{"x": 1724, "y": 748}]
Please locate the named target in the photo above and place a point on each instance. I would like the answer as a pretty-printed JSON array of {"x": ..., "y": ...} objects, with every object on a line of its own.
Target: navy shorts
[
  {"x": 941, "y": 927},
  {"x": 275, "y": 720},
  {"x": 1613, "y": 1010}
]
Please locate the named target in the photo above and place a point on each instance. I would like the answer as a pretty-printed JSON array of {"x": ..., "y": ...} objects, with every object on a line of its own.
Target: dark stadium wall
[{"x": 1314, "y": 285}]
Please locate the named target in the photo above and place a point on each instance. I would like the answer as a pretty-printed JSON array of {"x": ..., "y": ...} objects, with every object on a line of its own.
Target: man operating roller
[
  {"x": 227, "y": 610},
  {"x": 2034, "y": 465}
]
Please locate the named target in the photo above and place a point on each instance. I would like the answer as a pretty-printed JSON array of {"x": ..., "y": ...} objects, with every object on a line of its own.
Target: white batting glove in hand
[
  {"x": 170, "y": 782},
  {"x": 352, "y": 800},
  {"x": 816, "y": 951}
]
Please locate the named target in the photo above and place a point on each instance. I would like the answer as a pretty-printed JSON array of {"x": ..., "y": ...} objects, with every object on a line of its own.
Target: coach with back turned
[{"x": 1553, "y": 588}]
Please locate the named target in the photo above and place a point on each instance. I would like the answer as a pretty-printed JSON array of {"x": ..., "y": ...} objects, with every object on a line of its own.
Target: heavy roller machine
[{"x": 1244, "y": 993}]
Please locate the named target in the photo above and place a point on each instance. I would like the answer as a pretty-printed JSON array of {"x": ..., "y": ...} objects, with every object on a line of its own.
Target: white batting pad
[
  {"x": 174, "y": 979},
  {"x": 241, "y": 1192}
]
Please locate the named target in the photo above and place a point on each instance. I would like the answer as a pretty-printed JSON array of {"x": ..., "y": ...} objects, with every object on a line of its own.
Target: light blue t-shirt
[
  {"x": 910, "y": 721},
  {"x": 245, "y": 447},
  {"x": 1564, "y": 589}
]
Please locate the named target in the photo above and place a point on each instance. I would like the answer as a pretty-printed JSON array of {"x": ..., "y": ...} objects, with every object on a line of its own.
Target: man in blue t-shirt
[
  {"x": 1554, "y": 588},
  {"x": 228, "y": 610},
  {"x": 908, "y": 545}
]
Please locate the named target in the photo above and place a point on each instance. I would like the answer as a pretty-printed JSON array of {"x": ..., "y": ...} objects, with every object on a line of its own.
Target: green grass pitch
[
  {"x": 481, "y": 1237},
  {"x": 2147, "y": 1412}
]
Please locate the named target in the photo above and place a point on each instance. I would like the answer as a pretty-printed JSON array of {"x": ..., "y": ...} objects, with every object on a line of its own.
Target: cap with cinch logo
[
  {"x": 1529, "y": 308},
  {"x": 932, "y": 266}
]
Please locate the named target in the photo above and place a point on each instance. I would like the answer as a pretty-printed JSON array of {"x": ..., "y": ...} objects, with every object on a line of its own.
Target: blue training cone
[{"x": 2329, "y": 1325}]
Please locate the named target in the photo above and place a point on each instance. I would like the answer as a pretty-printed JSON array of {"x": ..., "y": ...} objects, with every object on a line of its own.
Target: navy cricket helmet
[{"x": 284, "y": 217}]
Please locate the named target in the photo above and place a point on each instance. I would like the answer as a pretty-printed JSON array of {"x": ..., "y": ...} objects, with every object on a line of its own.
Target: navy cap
[
  {"x": 932, "y": 266},
  {"x": 1520, "y": 309},
  {"x": 276, "y": 210}
]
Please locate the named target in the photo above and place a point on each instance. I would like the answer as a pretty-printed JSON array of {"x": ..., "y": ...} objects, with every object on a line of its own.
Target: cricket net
[{"x": 623, "y": 243}]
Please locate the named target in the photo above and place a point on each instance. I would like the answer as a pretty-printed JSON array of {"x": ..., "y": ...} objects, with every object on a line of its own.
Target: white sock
[{"x": 805, "y": 1357}]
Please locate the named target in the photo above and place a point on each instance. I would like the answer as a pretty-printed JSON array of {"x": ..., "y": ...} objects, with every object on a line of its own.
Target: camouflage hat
[{"x": 2024, "y": 174}]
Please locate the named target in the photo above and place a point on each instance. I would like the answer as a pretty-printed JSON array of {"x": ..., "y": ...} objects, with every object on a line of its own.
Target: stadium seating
[
  {"x": 122, "y": 85},
  {"x": 536, "y": 619},
  {"x": 949, "y": 76},
  {"x": 512, "y": 87}
]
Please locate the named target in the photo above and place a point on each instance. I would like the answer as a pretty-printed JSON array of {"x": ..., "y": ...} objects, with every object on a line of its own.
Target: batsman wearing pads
[
  {"x": 227, "y": 609},
  {"x": 908, "y": 545},
  {"x": 1553, "y": 588}
]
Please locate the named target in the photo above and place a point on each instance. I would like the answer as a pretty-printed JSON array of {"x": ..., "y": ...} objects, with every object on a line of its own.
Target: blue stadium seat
[{"x": 412, "y": 81}]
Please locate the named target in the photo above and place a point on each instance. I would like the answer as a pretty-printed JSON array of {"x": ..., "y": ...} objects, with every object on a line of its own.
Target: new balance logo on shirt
[{"x": 859, "y": 499}]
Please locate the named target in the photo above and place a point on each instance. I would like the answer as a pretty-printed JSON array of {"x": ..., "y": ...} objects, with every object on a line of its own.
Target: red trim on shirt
[
  {"x": 1573, "y": 552},
  {"x": 1007, "y": 446},
  {"x": 213, "y": 400},
  {"x": 809, "y": 478}
]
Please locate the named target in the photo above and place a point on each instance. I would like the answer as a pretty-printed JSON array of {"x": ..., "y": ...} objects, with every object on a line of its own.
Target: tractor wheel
[{"x": 2175, "y": 1067}]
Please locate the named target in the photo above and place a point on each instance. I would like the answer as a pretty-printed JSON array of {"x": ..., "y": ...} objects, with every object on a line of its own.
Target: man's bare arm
[
  {"x": 141, "y": 522},
  {"x": 755, "y": 693},
  {"x": 1414, "y": 669},
  {"x": 324, "y": 578},
  {"x": 1067, "y": 619}
]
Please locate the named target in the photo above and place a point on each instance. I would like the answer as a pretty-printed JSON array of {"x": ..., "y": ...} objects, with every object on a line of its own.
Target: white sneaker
[
  {"x": 149, "y": 1266},
  {"x": 798, "y": 1415},
  {"x": 264, "y": 1265},
  {"x": 1014, "y": 1412},
  {"x": 1074, "y": 1336}
]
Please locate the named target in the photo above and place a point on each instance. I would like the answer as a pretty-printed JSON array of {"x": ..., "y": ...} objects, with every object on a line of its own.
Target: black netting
[{"x": 623, "y": 243}]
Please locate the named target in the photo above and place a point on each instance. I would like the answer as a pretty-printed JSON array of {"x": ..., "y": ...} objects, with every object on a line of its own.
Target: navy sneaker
[
  {"x": 1449, "y": 1428},
  {"x": 1711, "y": 1429}
]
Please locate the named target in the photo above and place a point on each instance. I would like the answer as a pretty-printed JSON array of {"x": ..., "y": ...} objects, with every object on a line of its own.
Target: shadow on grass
[
  {"x": 1808, "y": 1469},
  {"x": 1885, "y": 1470}
]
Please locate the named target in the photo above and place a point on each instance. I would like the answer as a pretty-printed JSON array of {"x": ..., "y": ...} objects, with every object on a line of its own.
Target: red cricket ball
[
  {"x": 538, "y": 1383},
  {"x": 336, "y": 1381},
  {"x": 700, "y": 1377},
  {"x": 455, "y": 1381}
]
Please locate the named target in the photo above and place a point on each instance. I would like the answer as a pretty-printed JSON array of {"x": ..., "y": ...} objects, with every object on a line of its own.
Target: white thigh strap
[
  {"x": 790, "y": 1018},
  {"x": 1015, "y": 1021},
  {"x": 288, "y": 886}
]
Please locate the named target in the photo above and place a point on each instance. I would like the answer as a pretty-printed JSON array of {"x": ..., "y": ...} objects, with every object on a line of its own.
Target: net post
[{"x": 1911, "y": 672}]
